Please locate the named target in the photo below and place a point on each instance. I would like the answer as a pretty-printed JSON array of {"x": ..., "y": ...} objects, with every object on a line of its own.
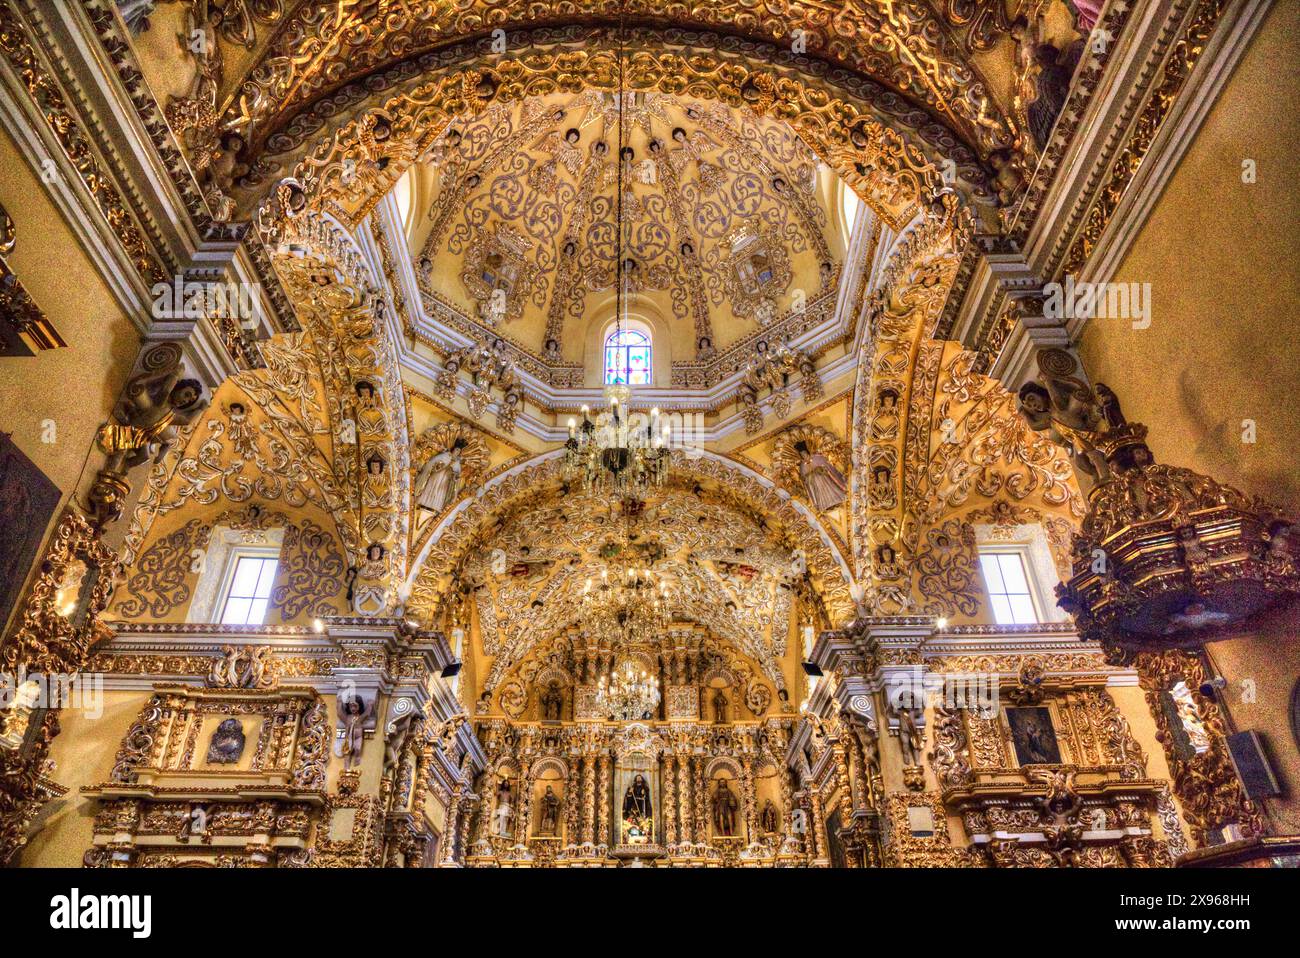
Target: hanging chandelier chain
[
  {"x": 611, "y": 451},
  {"x": 618, "y": 180}
]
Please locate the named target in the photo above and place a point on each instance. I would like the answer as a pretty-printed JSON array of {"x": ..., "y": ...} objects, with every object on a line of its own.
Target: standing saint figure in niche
[
  {"x": 435, "y": 485},
  {"x": 637, "y": 810},
  {"x": 825, "y": 484},
  {"x": 552, "y": 702},
  {"x": 725, "y": 807},
  {"x": 550, "y": 812}
]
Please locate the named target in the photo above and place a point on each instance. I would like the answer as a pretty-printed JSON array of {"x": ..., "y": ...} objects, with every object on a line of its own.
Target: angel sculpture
[
  {"x": 1066, "y": 410},
  {"x": 354, "y": 712},
  {"x": 445, "y": 734},
  {"x": 149, "y": 417},
  {"x": 909, "y": 736}
]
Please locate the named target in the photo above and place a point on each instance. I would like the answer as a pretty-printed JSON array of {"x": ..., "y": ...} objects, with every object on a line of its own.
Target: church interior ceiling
[
  {"x": 436, "y": 201},
  {"x": 727, "y": 216},
  {"x": 307, "y": 114}
]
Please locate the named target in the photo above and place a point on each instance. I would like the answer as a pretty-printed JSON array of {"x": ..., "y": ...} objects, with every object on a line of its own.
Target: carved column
[
  {"x": 749, "y": 797},
  {"x": 817, "y": 826},
  {"x": 572, "y": 801},
  {"x": 487, "y": 806},
  {"x": 684, "y": 804},
  {"x": 701, "y": 802},
  {"x": 450, "y": 829},
  {"x": 844, "y": 765},
  {"x": 463, "y": 826},
  {"x": 669, "y": 802},
  {"x": 524, "y": 820},
  {"x": 787, "y": 800},
  {"x": 602, "y": 800},
  {"x": 588, "y": 798}
]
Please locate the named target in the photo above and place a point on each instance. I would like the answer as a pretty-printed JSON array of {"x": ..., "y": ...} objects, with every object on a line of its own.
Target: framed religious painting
[
  {"x": 1033, "y": 736},
  {"x": 27, "y": 502}
]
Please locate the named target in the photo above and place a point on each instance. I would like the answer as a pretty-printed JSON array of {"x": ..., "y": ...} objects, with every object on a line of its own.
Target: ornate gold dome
[{"x": 727, "y": 224}]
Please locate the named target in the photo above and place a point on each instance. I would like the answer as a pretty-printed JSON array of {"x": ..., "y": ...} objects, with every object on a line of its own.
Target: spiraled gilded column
[
  {"x": 842, "y": 772},
  {"x": 487, "y": 805},
  {"x": 684, "y": 803},
  {"x": 669, "y": 802},
  {"x": 750, "y": 797},
  {"x": 588, "y": 798},
  {"x": 602, "y": 800},
  {"x": 573, "y": 802},
  {"x": 787, "y": 800},
  {"x": 818, "y": 823},
  {"x": 524, "y": 820},
  {"x": 463, "y": 828},
  {"x": 701, "y": 802},
  {"x": 450, "y": 828}
]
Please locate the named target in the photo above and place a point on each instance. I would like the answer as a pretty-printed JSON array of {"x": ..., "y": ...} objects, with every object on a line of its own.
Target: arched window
[{"x": 627, "y": 357}]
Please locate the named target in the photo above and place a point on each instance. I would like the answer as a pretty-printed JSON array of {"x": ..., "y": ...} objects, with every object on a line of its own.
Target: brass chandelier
[
  {"x": 629, "y": 695},
  {"x": 618, "y": 451},
  {"x": 627, "y": 608}
]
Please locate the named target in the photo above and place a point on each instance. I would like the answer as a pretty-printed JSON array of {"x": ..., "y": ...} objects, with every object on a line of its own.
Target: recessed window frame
[
  {"x": 623, "y": 347},
  {"x": 1020, "y": 553},
  {"x": 262, "y": 553}
]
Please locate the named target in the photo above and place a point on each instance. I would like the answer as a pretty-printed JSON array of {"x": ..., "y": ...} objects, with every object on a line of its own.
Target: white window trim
[
  {"x": 228, "y": 578},
  {"x": 1021, "y": 553},
  {"x": 225, "y": 546}
]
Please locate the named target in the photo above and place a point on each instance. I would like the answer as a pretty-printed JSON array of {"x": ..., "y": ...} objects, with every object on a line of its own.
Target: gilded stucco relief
[{"x": 428, "y": 686}]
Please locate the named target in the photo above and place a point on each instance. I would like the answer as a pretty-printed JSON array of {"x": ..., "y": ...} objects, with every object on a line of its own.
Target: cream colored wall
[
  {"x": 73, "y": 388},
  {"x": 1262, "y": 666},
  {"x": 1224, "y": 265},
  {"x": 1224, "y": 268},
  {"x": 83, "y": 754}
]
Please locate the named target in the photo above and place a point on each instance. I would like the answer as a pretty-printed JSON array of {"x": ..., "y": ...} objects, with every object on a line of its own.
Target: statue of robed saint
[{"x": 637, "y": 812}]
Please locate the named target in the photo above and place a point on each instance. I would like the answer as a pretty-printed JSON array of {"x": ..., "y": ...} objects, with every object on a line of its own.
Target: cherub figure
[
  {"x": 1067, "y": 411},
  {"x": 354, "y": 712}
]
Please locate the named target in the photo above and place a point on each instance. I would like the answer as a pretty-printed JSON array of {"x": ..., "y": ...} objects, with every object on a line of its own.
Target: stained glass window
[{"x": 627, "y": 358}]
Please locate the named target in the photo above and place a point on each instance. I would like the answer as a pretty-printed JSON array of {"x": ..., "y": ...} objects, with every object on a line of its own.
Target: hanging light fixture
[
  {"x": 630, "y": 694},
  {"x": 627, "y": 608},
  {"x": 617, "y": 450}
]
